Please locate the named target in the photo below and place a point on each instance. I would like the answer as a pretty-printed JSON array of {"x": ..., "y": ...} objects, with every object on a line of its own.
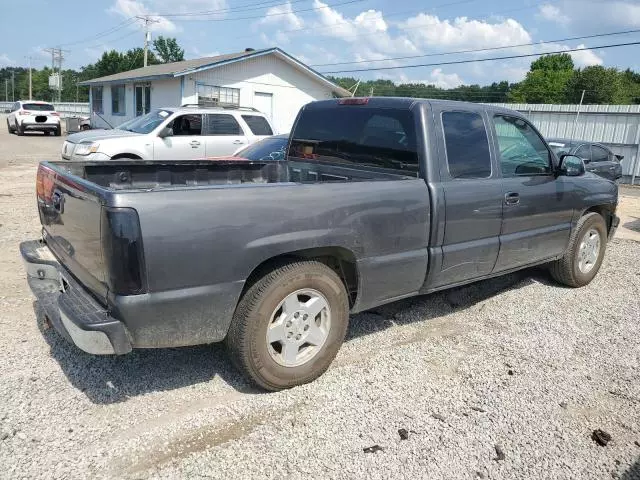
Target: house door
[
  {"x": 264, "y": 103},
  {"x": 143, "y": 99}
]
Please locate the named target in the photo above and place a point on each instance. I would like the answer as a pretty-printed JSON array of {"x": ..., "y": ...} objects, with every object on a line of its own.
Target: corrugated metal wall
[{"x": 617, "y": 126}]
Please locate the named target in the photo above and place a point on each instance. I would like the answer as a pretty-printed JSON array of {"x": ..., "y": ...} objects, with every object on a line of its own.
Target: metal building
[{"x": 617, "y": 126}]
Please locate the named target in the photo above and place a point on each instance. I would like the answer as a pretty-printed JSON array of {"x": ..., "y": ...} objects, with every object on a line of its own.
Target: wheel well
[
  {"x": 126, "y": 155},
  {"x": 605, "y": 211},
  {"x": 340, "y": 260}
]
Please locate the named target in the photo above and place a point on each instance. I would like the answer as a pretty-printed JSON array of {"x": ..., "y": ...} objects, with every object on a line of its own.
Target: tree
[
  {"x": 546, "y": 81},
  {"x": 601, "y": 86},
  {"x": 168, "y": 50}
]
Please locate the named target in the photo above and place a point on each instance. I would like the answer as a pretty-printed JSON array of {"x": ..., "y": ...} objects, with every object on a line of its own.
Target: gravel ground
[{"x": 505, "y": 378}]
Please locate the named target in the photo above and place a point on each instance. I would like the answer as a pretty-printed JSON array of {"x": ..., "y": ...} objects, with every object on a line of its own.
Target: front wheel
[
  {"x": 582, "y": 260},
  {"x": 289, "y": 326}
]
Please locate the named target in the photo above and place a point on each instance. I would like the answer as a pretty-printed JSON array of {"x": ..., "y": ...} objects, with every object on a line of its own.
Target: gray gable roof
[{"x": 176, "y": 69}]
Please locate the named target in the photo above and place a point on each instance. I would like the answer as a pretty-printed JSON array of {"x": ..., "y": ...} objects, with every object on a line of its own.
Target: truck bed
[{"x": 143, "y": 174}]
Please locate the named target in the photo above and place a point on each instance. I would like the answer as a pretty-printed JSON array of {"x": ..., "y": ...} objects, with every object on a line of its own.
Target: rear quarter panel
[{"x": 208, "y": 236}]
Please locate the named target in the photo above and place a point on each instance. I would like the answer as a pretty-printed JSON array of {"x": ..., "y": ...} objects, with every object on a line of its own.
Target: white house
[{"x": 269, "y": 80}]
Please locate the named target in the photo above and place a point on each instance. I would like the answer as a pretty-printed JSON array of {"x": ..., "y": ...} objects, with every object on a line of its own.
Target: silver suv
[{"x": 182, "y": 133}]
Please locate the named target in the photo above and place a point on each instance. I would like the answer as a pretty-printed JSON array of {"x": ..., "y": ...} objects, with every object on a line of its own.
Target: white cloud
[
  {"x": 587, "y": 15},
  {"x": 430, "y": 31},
  {"x": 197, "y": 53},
  {"x": 131, "y": 8},
  {"x": 585, "y": 58},
  {"x": 282, "y": 15},
  {"x": 5, "y": 61},
  {"x": 445, "y": 80},
  {"x": 553, "y": 14}
]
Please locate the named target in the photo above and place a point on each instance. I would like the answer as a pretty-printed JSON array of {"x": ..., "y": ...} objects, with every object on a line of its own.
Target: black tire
[
  {"x": 19, "y": 129},
  {"x": 58, "y": 131},
  {"x": 566, "y": 270},
  {"x": 47, "y": 133},
  {"x": 246, "y": 340}
]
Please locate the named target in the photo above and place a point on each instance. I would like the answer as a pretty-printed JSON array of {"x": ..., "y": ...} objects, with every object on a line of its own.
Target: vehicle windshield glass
[
  {"x": 268, "y": 149},
  {"x": 39, "y": 107},
  {"x": 364, "y": 136},
  {"x": 146, "y": 123}
]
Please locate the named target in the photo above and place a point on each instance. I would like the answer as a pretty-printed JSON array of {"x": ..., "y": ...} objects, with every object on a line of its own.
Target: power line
[
  {"x": 441, "y": 54},
  {"x": 240, "y": 8},
  {"x": 394, "y": 14},
  {"x": 120, "y": 26},
  {"x": 279, "y": 14},
  {"x": 508, "y": 57}
]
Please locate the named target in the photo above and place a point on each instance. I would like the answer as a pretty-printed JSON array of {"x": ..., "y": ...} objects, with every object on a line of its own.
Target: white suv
[
  {"x": 183, "y": 133},
  {"x": 31, "y": 116}
]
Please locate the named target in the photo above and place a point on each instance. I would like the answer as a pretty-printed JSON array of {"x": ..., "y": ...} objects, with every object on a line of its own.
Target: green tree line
[
  {"x": 16, "y": 80},
  {"x": 551, "y": 79}
]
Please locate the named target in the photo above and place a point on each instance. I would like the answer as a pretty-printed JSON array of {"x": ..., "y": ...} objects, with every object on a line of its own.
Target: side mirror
[
  {"x": 571, "y": 166},
  {"x": 165, "y": 132}
]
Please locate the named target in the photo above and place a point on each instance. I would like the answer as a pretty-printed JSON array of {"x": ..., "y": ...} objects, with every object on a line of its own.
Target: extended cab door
[
  {"x": 186, "y": 142},
  {"x": 472, "y": 192},
  {"x": 223, "y": 134},
  {"x": 537, "y": 204}
]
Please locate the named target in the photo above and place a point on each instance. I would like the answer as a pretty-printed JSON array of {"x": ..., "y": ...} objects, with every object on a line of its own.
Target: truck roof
[{"x": 408, "y": 102}]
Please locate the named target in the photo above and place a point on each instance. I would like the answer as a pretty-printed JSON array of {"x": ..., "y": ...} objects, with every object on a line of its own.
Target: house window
[
  {"x": 96, "y": 99},
  {"x": 117, "y": 100},
  {"x": 213, "y": 95}
]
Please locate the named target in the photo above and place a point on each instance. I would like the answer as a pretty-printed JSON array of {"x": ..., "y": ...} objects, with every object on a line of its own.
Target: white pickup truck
[{"x": 183, "y": 133}]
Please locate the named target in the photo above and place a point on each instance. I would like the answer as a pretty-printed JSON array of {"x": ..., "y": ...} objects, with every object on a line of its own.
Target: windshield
[
  {"x": 146, "y": 123},
  {"x": 40, "y": 107},
  {"x": 272, "y": 148}
]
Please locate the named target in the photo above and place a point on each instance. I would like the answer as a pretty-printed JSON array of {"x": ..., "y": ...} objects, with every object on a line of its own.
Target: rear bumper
[
  {"x": 40, "y": 126},
  {"x": 72, "y": 311}
]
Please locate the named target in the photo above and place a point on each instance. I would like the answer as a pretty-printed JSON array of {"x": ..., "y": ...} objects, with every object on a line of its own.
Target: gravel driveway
[{"x": 506, "y": 378}]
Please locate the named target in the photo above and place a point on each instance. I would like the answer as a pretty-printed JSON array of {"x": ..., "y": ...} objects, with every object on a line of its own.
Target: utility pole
[
  {"x": 57, "y": 55},
  {"x": 147, "y": 34},
  {"x": 13, "y": 85},
  {"x": 30, "y": 81},
  {"x": 6, "y": 89},
  {"x": 575, "y": 122}
]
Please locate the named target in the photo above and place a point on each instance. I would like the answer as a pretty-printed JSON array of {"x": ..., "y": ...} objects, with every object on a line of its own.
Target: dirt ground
[{"x": 572, "y": 367}]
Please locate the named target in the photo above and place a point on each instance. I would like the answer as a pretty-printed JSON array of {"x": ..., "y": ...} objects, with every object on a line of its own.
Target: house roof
[{"x": 178, "y": 69}]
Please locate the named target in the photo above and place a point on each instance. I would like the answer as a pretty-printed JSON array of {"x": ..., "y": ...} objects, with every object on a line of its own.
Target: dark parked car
[
  {"x": 377, "y": 200},
  {"x": 270, "y": 148},
  {"x": 598, "y": 158}
]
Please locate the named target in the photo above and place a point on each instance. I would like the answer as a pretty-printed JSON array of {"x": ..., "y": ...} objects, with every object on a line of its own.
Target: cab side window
[
  {"x": 522, "y": 150},
  {"x": 467, "y": 145}
]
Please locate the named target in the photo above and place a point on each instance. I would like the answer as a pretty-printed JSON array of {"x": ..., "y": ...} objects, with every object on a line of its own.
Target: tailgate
[{"x": 70, "y": 212}]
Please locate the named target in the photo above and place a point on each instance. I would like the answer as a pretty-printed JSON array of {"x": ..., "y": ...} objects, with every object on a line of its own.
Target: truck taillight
[
  {"x": 122, "y": 251},
  {"x": 45, "y": 180}
]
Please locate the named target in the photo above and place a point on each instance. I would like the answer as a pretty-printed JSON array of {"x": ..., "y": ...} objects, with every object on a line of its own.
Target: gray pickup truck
[{"x": 377, "y": 200}]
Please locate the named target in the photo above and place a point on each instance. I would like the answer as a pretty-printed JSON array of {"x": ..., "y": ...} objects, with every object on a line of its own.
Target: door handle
[
  {"x": 512, "y": 198},
  {"x": 238, "y": 142},
  {"x": 195, "y": 144},
  {"x": 612, "y": 168}
]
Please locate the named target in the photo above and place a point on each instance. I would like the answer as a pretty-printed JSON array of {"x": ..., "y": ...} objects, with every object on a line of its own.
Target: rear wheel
[
  {"x": 582, "y": 260},
  {"x": 58, "y": 131},
  {"x": 289, "y": 326},
  {"x": 9, "y": 127},
  {"x": 19, "y": 129}
]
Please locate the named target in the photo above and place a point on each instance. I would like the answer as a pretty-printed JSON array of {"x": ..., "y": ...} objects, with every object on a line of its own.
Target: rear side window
[
  {"x": 599, "y": 154},
  {"x": 220, "y": 124},
  {"x": 258, "y": 125},
  {"x": 467, "y": 145},
  {"x": 356, "y": 135}
]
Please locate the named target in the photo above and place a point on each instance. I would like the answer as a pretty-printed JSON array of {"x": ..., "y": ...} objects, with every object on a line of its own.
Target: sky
[{"x": 365, "y": 33}]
